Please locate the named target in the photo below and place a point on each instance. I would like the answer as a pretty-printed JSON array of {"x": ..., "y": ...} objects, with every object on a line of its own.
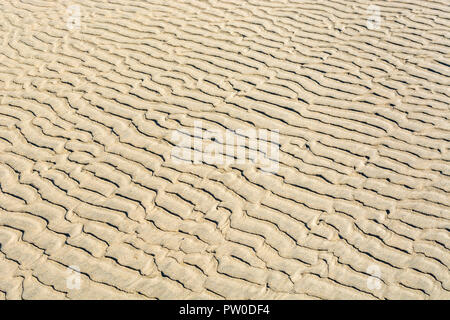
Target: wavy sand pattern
[{"x": 358, "y": 209}]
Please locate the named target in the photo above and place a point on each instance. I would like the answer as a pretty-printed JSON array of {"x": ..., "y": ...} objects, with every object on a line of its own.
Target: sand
[{"x": 95, "y": 203}]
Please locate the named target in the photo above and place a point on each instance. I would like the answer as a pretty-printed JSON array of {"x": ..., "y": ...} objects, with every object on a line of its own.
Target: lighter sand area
[{"x": 93, "y": 205}]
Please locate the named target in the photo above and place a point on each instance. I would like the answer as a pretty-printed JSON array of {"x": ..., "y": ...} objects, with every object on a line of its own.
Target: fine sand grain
[{"x": 93, "y": 204}]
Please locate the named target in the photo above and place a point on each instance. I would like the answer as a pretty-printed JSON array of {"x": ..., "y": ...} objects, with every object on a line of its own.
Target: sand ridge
[{"x": 93, "y": 205}]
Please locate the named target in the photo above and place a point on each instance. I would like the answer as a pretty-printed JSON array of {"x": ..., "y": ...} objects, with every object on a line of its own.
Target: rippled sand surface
[{"x": 93, "y": 205}]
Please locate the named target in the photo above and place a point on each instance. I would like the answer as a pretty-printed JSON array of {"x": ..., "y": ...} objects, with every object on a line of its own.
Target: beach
[{"x": 234, "y": 149}]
